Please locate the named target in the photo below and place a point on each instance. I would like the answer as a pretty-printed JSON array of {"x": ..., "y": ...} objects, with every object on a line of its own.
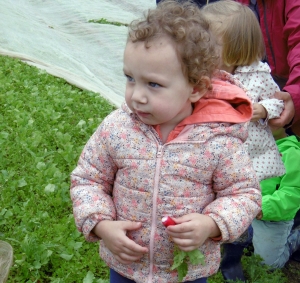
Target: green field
[{"x": 44, "y": 124}]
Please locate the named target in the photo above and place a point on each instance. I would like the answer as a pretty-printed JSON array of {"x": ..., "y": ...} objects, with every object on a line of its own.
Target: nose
[{"x": 139, "y": 94}]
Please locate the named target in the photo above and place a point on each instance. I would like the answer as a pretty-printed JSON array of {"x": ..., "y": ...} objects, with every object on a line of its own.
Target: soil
[{"x": 292, "y": 271}]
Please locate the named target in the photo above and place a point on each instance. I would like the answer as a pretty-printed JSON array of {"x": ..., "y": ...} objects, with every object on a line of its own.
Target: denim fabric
[
  {"x": 117, "y": 278},
  {"x": 270, "y": 241}
]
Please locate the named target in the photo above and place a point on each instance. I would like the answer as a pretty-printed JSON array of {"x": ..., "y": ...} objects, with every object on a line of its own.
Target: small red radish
[{"x": 167, "y": 221}]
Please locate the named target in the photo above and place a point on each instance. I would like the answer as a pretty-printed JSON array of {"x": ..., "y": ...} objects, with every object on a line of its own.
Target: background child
[
  {"x": 242, "y": 48},
  {"x": 174, "y": 148}
]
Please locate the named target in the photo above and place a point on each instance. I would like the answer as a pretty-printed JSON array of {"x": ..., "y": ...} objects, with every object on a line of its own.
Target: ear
[{"x": 200, "y": 89}]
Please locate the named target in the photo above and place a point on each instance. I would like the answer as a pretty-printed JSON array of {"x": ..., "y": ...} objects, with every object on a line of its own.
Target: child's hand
[
  {"x": 288, "y": 112},
  {"x": 259, "y": 215},
  {"x": 113, "y": 233},
  {"x": 192, "y": 230},
  {"x": 259, "y": 112}
]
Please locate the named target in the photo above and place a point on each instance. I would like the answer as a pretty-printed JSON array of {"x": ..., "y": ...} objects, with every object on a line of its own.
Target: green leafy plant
[
  {"x": 44, "y": 124},
  {"x": 106, "y": 22},
  {"x": 182, "y": 258},
  {"x": 259, "y": 273}
]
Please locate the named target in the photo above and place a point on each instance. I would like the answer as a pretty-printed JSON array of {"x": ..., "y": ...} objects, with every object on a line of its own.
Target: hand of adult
[{"x": 288, "y": 112}]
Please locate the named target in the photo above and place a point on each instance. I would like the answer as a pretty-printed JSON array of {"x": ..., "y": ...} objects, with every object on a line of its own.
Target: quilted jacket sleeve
[
  {"x": 273, "y": 106},
  {"x": 91, "y": 184},
  {"x": 238, "y": 196}
]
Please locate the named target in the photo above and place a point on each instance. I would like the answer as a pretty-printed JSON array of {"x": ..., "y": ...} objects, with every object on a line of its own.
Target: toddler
[{"x": 175, "y": 148}]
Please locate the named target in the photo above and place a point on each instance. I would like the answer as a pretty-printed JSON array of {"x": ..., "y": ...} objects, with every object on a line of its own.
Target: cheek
[
  {"x": 128, "y": 95},
  {"x": 163, "y": 109}
]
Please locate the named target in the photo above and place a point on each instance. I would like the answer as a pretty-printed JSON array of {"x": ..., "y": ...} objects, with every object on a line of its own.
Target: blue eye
[
  {"x": 155, "y": 85},
  {"x": 129, "y": 79}
]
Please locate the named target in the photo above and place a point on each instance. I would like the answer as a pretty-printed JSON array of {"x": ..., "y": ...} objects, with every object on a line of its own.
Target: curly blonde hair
[
  {"x": 238, "y": 29},
  {"x": 187, "y": 28}
]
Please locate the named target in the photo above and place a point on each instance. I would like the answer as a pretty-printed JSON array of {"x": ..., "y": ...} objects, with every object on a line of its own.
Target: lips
[{"x": 142, "y": 114}]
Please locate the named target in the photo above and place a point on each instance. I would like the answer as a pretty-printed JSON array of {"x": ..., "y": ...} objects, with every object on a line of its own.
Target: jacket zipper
[
  {"x": 153, "y": 220},
  {"x": 159, "y": 155}
]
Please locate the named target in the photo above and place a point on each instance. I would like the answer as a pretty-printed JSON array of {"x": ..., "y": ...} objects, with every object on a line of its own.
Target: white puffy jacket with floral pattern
[{"x": 126, "y": 173}]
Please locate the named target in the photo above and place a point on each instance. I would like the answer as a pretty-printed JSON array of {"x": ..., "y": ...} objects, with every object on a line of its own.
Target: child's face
[{"x": 156, "y": 89}]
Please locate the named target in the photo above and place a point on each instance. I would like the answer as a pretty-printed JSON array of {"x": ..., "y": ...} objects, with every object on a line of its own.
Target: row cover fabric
[{"x": 56, "y": 35}]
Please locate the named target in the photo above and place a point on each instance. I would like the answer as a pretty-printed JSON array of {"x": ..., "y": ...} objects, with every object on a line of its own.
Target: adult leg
[{"x": 273, "y": 241}]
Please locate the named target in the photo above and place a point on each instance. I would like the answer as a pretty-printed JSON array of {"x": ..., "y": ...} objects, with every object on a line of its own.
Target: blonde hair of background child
[
  {"x": 188, "y": 29},
  {"x": 238, "y": 29}
]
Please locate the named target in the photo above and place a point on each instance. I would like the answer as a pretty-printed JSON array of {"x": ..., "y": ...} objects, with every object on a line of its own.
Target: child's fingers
[
  {"x": 132, "y": 248},
  {"x": 182, "y": 230},
  {"x": 126, "y": 259},
  {"x": 185, "y": 244}
]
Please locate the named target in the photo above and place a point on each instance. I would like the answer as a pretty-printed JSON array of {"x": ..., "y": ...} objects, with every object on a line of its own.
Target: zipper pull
[{"x": 159, "y": 152}]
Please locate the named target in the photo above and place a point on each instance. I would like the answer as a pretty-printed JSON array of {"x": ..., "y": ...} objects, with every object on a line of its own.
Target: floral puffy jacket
[{"x": 126, "y": 173}]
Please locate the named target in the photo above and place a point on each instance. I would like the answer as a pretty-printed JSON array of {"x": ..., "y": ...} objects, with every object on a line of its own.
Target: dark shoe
[
  {"x": 296, "y": 256},
  {"x": 296, "y": 220},
  {"x": 294, "y": 244},
  {"x": 231, "y": 266}
]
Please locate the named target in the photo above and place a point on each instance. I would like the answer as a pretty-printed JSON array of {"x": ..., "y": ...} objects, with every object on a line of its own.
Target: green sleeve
[{"x": 281, "y": 196}]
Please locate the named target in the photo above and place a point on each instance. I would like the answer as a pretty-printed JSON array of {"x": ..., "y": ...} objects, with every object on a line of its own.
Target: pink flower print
[
  {"x": 193, "y": 160},
  {"x": 95, "y": 198},
  {"x": 157, "y": 237},
  {"x": 142, "y": 151},
  {"x": 163, "y": 163},
  {"x": 126, "y": 173},
  {"x": 102, "y": 160},
  {"x": 134, "y": 164},
  {"x": 123, "y": 136},
  {"x": 130, "y": 271},
  {"x": 135, "y": 128},
  {"x": 77, "y": 203},
  {"x": 159, "y": 201},
  {"x": 155, "y": 269},
  {"x": 207, "y": 154},
  {"x": 125, "y": 209},
  {"x": 219, "y": 175},
  {"x": 104, "y": 134},
  {"x": 182, "y": 172},
  {"x": 229, "y": 145},
  {"x": 134, "y": 203},
  {"x": 228, "y": 162},
  {"x": 179, "y": 206}
]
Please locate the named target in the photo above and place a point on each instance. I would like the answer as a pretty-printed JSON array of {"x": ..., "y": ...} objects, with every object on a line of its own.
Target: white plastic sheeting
[{"x": 56, "y": 35}]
